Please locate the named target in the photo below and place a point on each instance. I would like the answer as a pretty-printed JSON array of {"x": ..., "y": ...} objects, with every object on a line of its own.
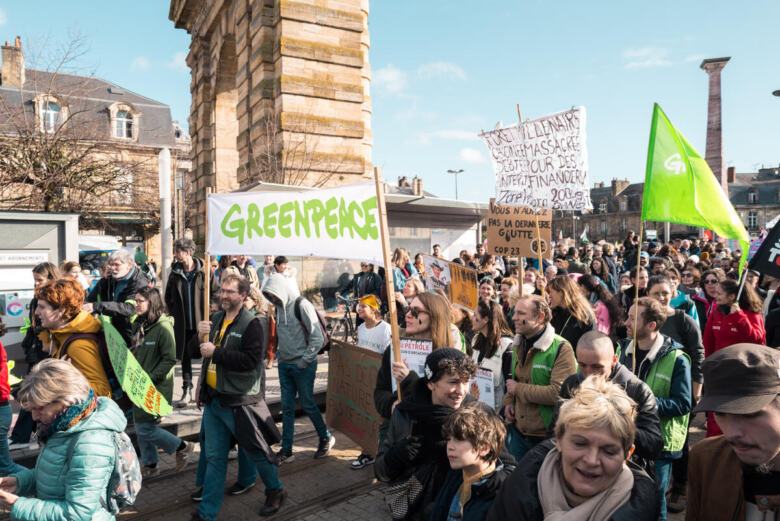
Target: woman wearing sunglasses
[{"x": 705, "y": 298}]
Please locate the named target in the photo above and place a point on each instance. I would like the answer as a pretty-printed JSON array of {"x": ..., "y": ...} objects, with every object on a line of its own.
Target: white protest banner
[
  {"x": 481, "y": 387},
  {"x": 413, "y": 353},
  {"x": 335, "y": 222},
  {"x": 542, "y": 163}
]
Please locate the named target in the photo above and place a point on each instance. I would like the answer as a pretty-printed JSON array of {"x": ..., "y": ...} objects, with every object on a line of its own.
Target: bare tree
[
  {"x": 291, "y": 157},
  {"x": 55, "y": 152}
]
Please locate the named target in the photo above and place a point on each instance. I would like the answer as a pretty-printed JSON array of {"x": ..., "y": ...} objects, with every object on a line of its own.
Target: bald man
[{"x": 596, "y": 356}]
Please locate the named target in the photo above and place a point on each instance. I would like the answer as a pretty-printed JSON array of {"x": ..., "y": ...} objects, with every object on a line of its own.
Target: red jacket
[
  {"x": 5, "y": 388},
  {"x": 726, "y": 330}
]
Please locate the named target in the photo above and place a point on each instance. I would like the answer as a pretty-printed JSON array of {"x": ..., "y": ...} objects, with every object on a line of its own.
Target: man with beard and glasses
[
  {"x": 231, "y": 393},
  {"x": 736, "y": 476}
]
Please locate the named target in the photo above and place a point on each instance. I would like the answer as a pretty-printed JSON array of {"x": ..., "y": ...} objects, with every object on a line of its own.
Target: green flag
[{"x": 680, "y": 187}]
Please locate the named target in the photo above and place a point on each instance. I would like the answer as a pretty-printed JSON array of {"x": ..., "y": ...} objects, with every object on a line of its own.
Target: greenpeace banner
[
  {"x": 132, "y": 377},
  {"x": 335, "y": 222},
  {"x": 542, "y": 163}
]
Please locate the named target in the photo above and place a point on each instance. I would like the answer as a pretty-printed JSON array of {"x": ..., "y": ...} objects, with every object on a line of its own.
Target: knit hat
[
  {"x": 432, "y": 361},
  {"x": 370, "y": 300}
]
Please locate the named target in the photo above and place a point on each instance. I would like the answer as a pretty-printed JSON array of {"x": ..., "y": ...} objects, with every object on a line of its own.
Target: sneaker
[
  {"x": 233, "y": 453},
  {"x": 150, "y": 472},
  {"x": 197, "y": 495},
  {"x": 361, "y": 461},
  {"x": 273, "y": 502},
  {"x": 184, "y": 455},
  {"x": 324, "y": 447},
  {"x": 677, "y": 502},
  {"x": 285, "y": 456},
  {"x": 237, "y": 489}
]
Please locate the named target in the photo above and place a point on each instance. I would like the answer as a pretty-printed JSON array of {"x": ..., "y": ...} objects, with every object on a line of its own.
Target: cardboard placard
[
  {"x": 481, "y": 387},
  {"x": 413, "y": 353},
  {"x": 511, "y": 230},
  {"x": 458, "y": 282},
  {"x": 349, "y": 405}
]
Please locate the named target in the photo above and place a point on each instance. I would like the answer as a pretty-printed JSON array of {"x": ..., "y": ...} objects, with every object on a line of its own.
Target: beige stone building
[{"x": 280, "y": 93}]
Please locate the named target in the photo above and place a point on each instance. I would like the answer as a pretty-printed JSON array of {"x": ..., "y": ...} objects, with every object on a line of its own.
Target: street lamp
[{"x": 455, "y": 172}]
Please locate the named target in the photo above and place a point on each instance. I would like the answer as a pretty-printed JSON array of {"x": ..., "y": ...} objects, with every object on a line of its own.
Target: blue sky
[{"x": 444, "y": 70}]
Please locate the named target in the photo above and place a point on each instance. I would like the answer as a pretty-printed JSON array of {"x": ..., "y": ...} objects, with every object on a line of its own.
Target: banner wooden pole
[
  {"x": 206, "y": 270},
  {"x": 539, "y": 244},
  {"x": 636, "y": 291},
  {"x": 386, "y": 256}
]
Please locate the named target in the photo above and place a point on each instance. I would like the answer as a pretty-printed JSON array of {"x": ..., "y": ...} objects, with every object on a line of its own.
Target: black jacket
[
  {"x": 416, "y": 417},
  {"x": 373, "y": 285},
  {"x": 569, "y": 327},
  {"x": 178, "y": 301},
  {"x": 772, "y": 326},
  {"x": 384, "y": 397},
  {"x": 31, "y": 344},
  {"x": 482, "y": 493},
  {"x": 649, "y": 442},
  {"x": 121, "y": 307},
  {"x": 519, "y": 496}
]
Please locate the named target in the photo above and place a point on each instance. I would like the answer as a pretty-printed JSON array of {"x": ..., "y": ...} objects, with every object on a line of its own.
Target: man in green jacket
[{"x": 230, "y": 386}]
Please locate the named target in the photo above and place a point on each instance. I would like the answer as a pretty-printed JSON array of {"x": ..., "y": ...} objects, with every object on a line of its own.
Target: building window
[
  {"x": 603, "y": 206},
  {"x": 623, "y": 225},
  {"x": 752, "y": 220},
  {"x": 603, "y": 228},
  {"x": 51, "y": 116},
  {"x": 753, "y": 196},
  {"x": 123, "y": 193},
  {"x": 123, "y": 125},
  {"x": 622, "y": 204}
]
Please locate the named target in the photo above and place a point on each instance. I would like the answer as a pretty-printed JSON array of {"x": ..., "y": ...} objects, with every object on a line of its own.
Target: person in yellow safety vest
[
  {"x": 662, "y": 364},
  {"x": 539, "y": 361}
]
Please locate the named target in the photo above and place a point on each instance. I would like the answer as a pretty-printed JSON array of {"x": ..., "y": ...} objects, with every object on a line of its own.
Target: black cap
[
  {"x": 432, "y": 371},
  {"x": 740, "y": 379}
]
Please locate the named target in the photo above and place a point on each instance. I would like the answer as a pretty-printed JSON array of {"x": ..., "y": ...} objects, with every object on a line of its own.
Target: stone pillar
[{"x": 714, "y": 151}]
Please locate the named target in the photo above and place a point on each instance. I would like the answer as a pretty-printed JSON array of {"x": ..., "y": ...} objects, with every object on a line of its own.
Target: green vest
[
  {"x": 673, "y": 429},
  {"x": 229, "y": 381},
  {"x": 541, "y": 373}
]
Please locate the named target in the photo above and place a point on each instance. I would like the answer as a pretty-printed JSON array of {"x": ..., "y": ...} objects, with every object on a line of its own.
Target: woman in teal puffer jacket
[{"x": 75, "y": 464}]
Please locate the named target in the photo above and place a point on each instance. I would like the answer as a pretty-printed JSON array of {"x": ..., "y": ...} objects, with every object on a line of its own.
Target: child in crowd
[{"x": 475, "y": 439}]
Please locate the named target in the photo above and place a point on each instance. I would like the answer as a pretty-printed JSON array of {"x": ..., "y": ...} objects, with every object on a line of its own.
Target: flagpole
[
  {"x": 636, "y": 289},
  {"x": 207, "y": 270},
  {"x": 743, "y": 278}
]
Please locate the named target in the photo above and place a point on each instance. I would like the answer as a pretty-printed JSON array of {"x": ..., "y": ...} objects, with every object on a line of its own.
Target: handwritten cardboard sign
[
  {"x": 349, "y": 405},
  {"x": 511, "y": 230},
  {"x": 542, "y": 163}
]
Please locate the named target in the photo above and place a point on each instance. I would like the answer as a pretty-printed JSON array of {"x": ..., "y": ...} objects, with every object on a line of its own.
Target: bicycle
[{"x": 340, "y": 325}]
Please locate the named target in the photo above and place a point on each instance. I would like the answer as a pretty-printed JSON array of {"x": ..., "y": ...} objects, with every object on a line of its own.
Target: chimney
[
  {"x": 417, "y": 186},
  {"x": 732, "y": 174},
  {"x": 12, "y": 71},
  {"x": 714, "y": 151},
  {"x": 618, "y": 185}
]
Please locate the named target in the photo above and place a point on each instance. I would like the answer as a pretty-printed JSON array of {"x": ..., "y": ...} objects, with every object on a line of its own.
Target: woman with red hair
[{"x": 70, "y": 331}]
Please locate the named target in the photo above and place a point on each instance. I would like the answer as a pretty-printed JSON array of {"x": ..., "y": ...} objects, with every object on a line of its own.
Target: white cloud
[
  {"x": 646, "y": 57},
  {"x": 390, "y": 79},
  {"x": 695, "y": 57},
  {"x": 3, "y": 17},
  {"x": 425, "y": 138},
  {"x": 441, "y": 70},
  {"x": 471, "y": 155},
  {"x": 140, "y": 63},
  {"x": 178, "y": 62}
]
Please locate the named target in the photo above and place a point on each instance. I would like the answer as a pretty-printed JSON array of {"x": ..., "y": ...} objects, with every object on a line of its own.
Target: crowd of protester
[{"x": 599, "y": 357}]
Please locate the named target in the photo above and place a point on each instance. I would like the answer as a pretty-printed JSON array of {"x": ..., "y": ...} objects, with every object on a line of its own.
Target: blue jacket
[
  {"x": 399, "y": 279},
  {"x": 71, "y": 489},
  {"x": 292, "y": 342}
]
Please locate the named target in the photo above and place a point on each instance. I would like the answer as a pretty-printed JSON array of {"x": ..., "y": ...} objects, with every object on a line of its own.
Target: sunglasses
[
  {"x": 364, "y": 265},
  {"x": 711, "y": 281},
  {"x": 415, "y": 312},
  {"x": 686, "y": 275}
]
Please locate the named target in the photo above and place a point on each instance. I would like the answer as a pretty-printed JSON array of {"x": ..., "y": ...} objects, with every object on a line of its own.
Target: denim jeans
[
  {"x": 219, "y": 431},
  {"x": 517, "y": 444},
  {"x": 663, "y": 473},
  {"x": 299, "y": 382},
  {"x": 150, "y": 437},
  {"x": 247, "y": 472},
  {"x": 7, "y": 465}
]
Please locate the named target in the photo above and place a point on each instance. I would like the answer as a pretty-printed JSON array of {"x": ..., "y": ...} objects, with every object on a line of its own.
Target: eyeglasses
[
  {"x": 415, "y": 312},
  {"x": 711, "y": 281},
  {"x": 686, "y": 275}
]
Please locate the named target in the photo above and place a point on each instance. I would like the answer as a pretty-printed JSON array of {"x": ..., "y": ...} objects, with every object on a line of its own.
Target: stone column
[{"x": 714, "y": 152}]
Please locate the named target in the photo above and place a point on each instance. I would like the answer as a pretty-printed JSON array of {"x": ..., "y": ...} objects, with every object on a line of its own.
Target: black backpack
[{"x": 322, "y": 323}]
